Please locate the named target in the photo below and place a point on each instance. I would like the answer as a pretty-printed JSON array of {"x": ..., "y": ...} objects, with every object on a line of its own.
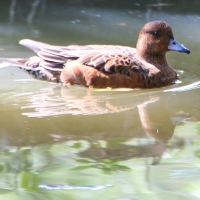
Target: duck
[{"x": 106, "y": 66}]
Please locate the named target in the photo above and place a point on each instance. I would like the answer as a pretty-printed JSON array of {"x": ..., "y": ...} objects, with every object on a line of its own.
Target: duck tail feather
[
  {"x": 18, "y": 62},
  {"x": 32, "y": 45}
]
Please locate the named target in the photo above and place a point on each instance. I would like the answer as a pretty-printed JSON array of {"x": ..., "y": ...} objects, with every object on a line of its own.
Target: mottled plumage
[{"x": 102, "y": 66}]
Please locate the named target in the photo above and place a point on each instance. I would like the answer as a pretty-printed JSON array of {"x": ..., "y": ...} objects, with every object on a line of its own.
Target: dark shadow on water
[{"x": 30, "y": 10}]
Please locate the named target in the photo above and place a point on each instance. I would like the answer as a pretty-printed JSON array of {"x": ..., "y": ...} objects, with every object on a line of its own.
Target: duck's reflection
[
  {"x": 59, "y": 114},
  {"x": 153, "y": 149},
  {"x": 157, "y": 121},
  {"x": 122, "y": 152},
  {"x": 61, "y": 101}
]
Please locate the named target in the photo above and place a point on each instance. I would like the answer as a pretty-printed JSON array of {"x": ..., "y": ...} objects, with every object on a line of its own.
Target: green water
[{"x": 78, "y": 143}]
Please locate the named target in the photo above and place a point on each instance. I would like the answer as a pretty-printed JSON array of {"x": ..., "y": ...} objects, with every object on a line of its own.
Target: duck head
[{"x": 156, "y": 38}]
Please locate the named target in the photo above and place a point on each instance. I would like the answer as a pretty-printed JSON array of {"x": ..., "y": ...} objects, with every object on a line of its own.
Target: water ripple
[
  {"x": 67, "y": 187},
  {"x": 191, "y": 86}
]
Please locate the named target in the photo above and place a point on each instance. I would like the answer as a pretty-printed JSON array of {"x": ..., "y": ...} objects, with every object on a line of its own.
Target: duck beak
[{"x": 175, "y": 46}]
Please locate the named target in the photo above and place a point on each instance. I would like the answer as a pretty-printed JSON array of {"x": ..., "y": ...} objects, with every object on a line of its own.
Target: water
[{"x": 79, "y": 143}]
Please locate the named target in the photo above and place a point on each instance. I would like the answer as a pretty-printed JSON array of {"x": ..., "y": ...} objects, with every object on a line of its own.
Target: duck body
[
  {"x": 125, "y": 71},
  {"x": 101, "y": 66}
]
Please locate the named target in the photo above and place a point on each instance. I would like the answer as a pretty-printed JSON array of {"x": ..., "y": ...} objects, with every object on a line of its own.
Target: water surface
[{"x": 79, "y": 143}]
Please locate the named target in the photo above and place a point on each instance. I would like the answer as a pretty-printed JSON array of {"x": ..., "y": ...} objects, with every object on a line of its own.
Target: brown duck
[{"x": 101, "y": 66}]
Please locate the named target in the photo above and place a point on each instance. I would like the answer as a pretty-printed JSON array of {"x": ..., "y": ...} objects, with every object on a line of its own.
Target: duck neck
[{"x": 158, "y": 60}]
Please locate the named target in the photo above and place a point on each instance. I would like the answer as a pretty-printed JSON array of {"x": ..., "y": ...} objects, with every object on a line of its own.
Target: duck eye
[{"x": 156, "y": 33}]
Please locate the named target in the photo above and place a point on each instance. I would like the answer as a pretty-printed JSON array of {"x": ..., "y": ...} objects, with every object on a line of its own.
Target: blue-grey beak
[{"x": 175, "y": 46}]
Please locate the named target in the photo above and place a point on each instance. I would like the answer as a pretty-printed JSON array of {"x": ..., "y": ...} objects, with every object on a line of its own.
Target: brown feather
[{"x": 103, "y": 66}]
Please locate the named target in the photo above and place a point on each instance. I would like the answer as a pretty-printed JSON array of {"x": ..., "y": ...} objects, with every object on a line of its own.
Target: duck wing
[
  {"x": 106, "y": 58},
  {"x": 51, "y": 60}
]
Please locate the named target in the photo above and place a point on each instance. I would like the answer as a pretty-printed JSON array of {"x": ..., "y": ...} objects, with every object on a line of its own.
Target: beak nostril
[{"x": 175, "y": 46}]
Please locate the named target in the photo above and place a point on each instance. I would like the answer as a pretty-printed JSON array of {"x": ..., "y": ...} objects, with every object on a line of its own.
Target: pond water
[{"x": 79, "y": 143}]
